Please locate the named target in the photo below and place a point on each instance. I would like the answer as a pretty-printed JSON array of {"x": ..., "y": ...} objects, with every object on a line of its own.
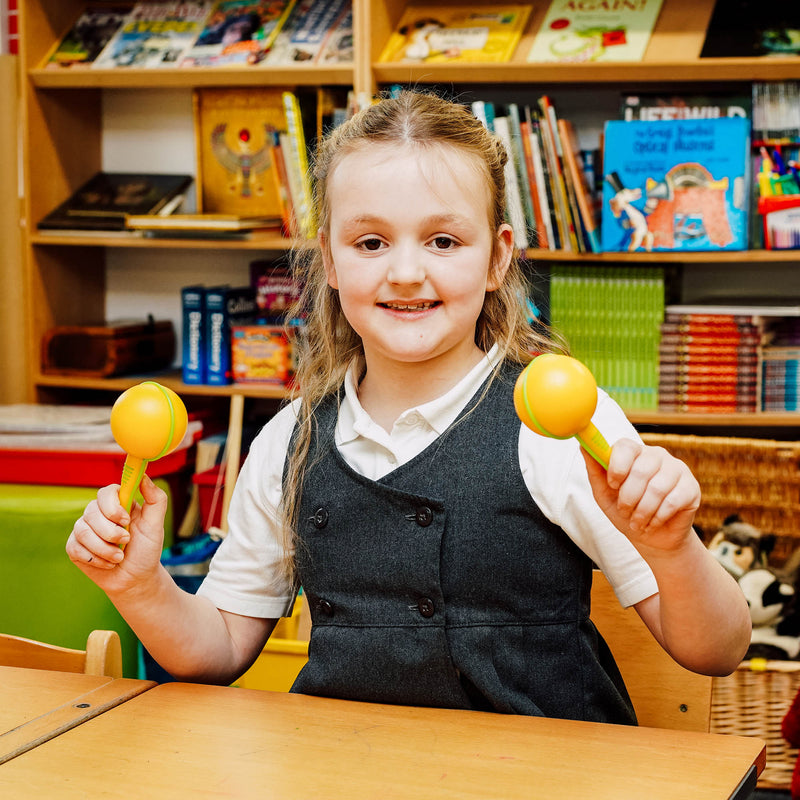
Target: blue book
[
  {"x": 676, "y": 185},
  {"x": 225, "y": 306},
  {"x": 193, "y": 351}
]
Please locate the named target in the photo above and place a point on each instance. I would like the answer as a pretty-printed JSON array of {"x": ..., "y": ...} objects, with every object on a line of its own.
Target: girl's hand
[
  {"x": 647, "y": 494},
  {"x": 95, "y": 544}
]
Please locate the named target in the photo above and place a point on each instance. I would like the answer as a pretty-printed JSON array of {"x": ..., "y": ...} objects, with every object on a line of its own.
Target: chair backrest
[
  {"x": 664, "y": 694},
  {"x": 102, "y": 656}
]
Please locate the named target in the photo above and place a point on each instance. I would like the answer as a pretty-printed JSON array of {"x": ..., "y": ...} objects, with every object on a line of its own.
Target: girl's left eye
[{"x": 443, "y": 243}]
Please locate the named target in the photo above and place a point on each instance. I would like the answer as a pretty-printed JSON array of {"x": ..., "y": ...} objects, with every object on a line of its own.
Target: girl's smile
[{"x": 410, "y": 249}]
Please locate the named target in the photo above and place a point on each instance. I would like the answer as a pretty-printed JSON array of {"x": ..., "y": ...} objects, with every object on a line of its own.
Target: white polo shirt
[{"x": 244, "y": 577}]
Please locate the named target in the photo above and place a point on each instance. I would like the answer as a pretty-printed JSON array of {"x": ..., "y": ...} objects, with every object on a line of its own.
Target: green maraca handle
[
  {"x": 594, "y": 443},
  {"x": 132, "y": 474}
]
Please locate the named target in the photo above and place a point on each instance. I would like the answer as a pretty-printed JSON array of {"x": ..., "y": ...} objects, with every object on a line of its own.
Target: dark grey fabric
[{"x": 443, "y": 584}]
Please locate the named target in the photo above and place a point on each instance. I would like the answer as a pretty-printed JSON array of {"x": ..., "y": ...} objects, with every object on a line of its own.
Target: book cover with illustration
[
  {"x": 307, "y": 30},
  {"x": 235, "y": 132},
  {"x": 587, "y": 32},
  {"x": 87, "y": 37},
  {"x": 104, "y": 201},
  {"x": 434, "y": 34},
  {"x": 676, "y": 185},
  {"x": 742, "y": 28},
  {"x": 238, "y": 32},
  {"x": 155, "y": 35}
]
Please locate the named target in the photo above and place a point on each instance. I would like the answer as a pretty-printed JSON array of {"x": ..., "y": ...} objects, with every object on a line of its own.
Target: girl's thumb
[{"x": 154, "y": 508}]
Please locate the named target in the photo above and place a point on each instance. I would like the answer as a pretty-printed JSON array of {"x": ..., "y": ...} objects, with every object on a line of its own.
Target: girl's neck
[{"x": 387, "y": 390}]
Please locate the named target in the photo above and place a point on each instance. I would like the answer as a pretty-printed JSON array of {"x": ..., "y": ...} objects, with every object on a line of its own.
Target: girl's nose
[{"x": 406, "y": 265}]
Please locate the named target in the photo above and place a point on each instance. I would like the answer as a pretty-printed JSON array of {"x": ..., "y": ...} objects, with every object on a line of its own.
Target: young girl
[{"x": 446, "y": 551}]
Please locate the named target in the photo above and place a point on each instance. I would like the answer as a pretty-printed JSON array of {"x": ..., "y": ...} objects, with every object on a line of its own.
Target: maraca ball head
[
  {"x": 555, "y": 395},
  {"x": 148, "y": 420}
]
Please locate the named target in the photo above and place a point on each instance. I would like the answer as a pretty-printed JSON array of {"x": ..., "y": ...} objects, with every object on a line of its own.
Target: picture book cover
[
  {"x": 655, "y": 106},
  {"x": 238, "y": 32},
  {"x": 742, "y": 28},
  {"x": 235, "y": 132},
  {"x": 103, "y": 202},
  {"x": 435, "y": 34},
  {"x": 307, "y": 30},
  {"x": 583, "y": 32},
  {"x": 87, "y": 37},
  {"x": 155, "y": 35},
  {"x": 338, "y": 45},
  {"x": 676, "y": 185}
]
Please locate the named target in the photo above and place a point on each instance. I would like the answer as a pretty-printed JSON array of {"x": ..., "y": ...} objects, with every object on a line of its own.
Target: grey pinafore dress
[{"x": 443, "y": 584}]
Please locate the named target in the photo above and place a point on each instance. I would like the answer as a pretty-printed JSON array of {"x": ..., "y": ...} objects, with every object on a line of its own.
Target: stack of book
[
  {"x": 610, "y": 319},
  {"x": 550, "y": 192},
  {"x": 709, "y": 358},
  {"x": 780, "y": 368}
]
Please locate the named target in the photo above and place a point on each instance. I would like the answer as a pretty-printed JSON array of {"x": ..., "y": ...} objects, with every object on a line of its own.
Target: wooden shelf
[
  {"x": 170, "y": 379},
  {"x": 150, "y": 79},
  {"x": 258, "y": 241},
  {"x": 677, "y": 420},
  {"x": 733, "y": 257}
]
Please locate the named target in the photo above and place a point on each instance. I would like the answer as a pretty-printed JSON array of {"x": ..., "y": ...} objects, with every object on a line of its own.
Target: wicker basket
[
  {"x": 759, "y": 479},
  {"x": 753, "y": 702}
]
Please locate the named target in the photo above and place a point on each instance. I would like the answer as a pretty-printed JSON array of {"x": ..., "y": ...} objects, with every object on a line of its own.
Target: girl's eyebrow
[{"x": 361, "y": 220}]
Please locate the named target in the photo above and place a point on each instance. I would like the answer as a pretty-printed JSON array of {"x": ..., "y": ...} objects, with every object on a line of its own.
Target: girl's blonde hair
[{"x": 328, "y": 343}]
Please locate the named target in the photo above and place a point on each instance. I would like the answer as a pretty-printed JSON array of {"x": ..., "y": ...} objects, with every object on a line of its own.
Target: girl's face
[{"x": 410, "y": 246}]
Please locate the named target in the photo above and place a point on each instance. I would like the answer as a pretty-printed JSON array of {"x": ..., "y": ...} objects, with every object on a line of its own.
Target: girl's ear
[
  {"x": 503, "y": 251},
  {"x": 327, "y": 261}
]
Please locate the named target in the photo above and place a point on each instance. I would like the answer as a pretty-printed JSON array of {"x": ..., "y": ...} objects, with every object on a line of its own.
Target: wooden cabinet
[{"x": 66, "y": 278}]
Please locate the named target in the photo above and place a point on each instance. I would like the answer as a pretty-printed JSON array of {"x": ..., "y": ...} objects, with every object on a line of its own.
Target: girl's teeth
[{"x": 416, "y": 307}]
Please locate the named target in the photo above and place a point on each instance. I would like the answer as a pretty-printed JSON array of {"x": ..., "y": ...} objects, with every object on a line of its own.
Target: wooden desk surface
[
  {"x": 37, "y": 704},
  {"x": 180, "y": 740}
]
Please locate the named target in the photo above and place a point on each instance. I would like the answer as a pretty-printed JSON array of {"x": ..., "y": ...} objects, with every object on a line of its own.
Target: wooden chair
[
  {"x": 664, "y": 694},
  {"x": 102, "y": 656}
]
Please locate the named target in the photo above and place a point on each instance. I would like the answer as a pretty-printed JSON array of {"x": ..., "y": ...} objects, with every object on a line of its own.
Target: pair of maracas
[{"x": 555, "y": 396}]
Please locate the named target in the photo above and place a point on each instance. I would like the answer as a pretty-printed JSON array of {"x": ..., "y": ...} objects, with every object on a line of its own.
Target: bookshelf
[{"x": 66, "y": 277}]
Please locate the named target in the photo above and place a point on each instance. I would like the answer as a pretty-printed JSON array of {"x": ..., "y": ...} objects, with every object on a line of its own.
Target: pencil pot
[{"x": 753, "y": 702}]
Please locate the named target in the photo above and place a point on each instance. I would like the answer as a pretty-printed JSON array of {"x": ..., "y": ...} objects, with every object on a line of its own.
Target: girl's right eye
[{"x": 372, "y": 244}]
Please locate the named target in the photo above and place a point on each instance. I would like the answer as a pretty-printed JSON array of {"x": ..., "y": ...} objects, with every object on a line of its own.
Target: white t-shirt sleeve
[
  {"x": 244, "y": 576},
  {"x": 555, "y": 475}
]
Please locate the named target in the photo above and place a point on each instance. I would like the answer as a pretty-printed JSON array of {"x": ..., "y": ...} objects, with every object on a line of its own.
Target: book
[
  {"x": 653, "y": 106},
  {"x": 676, "y": 185},
  {"x": 514, "y": 205},
  {"x": 338, "y": 45},
  {"x": 583, "y": 32},
  {"x": 305, "y": 34},
  {"x": 746, "y": 28},
  {"x": 429, "y": 33},
  {"x": 226, "y": 306},
  {"x": 155, "y": 35},
  {"x": 238, "y": 33},
  {"x": 200, "y": 222},
  {"x": 105, "y": 200},
  {"x": 89, "y": 34},
  {"x": 193, "y": 349},
  {"x": 295, "y": 154},
  {"x": 235, "y": 132},
  {"x": 585, "y": 211}
]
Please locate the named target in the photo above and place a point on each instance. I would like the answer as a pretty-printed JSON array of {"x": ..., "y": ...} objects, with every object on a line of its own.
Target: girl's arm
[
  {"x": 185, "y": 633},
  {"x": 700, "y": 615}
]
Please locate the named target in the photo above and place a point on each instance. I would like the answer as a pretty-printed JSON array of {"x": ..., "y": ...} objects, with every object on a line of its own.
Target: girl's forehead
[{"x": 429, "y": 156}]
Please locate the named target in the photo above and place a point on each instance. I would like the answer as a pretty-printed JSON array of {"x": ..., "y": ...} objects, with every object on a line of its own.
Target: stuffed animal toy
[
  {"x": 776, "y": 624},
  {"x": 740, "y": 547}
]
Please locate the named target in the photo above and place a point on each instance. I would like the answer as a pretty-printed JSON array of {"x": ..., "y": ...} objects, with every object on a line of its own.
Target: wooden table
[
  {"x": 181, "y": 740},
  {"x": 37, "y": 704}
]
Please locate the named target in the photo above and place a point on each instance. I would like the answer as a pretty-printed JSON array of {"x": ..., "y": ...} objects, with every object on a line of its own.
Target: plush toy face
[{"x": 736, "y": 558}]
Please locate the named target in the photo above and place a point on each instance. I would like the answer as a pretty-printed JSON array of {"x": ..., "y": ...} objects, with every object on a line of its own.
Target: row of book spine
[
  {"x": 550, "y": 202},
  {"x": 610, "y": 319},
  {"x": 709, "y": 363}
]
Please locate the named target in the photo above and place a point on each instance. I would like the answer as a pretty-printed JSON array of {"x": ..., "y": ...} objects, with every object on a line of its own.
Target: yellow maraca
[
  {"x": 556, "y": 395},
  {"x": 148, "y": 421}
]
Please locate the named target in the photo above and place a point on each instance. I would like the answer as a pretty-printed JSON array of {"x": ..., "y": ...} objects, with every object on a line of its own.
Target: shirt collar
[{"x": 439, "y": 413}]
